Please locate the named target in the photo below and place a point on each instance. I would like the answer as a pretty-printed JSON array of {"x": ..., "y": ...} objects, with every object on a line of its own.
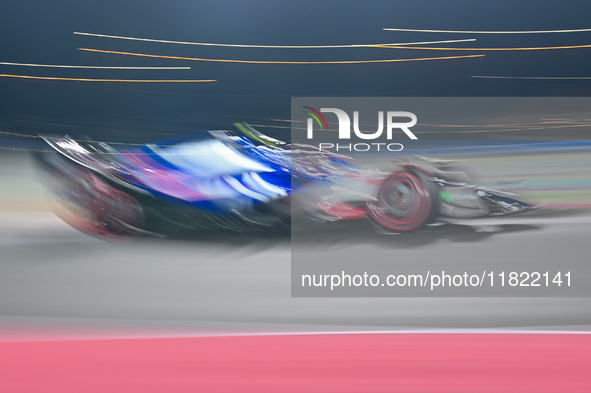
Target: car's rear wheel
[
  {"x": 92, "y": 206},
  {"x": 403, "y": 203}
]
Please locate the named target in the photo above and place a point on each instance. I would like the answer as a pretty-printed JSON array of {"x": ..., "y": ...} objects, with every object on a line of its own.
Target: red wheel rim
[{"x": 403, "y": 203}]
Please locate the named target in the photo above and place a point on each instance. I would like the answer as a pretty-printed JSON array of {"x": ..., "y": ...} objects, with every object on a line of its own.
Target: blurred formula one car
[{"x": 222, "y": 181}]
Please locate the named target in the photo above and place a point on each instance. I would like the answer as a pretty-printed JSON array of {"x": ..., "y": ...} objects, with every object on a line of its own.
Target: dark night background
[{"x": 42, "y": 32}]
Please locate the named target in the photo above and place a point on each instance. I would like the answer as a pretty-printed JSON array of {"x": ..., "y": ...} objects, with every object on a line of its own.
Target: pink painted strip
[{"x": 365, "y": 363}]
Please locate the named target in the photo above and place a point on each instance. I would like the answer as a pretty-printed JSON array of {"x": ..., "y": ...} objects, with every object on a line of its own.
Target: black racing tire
[
  {"x": 405, "y": 201},
  {"x": 92, "y": 206}
]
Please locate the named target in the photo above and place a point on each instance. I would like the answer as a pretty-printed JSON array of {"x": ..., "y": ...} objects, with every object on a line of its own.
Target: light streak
[
  {"x": 490, "y": 32},
  {"x": 505, "y": 130},
  {"x": 266, "y": 46},
  {"x": 534, "y": 77},
  {"x": 95, "y": 128},
  {"x": 477, "y": 131},
  {"x": 277, "y": 62},
  {"x": 109, "y": 80},
  {"x": 492, "y": 49},
  {"x": 94, "y": 67},
  {"x": 82, "y": 140},
  {"x": 429, "y": 124}
]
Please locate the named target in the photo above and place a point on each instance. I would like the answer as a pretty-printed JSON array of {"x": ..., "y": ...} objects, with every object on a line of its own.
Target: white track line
[{"x": 81, "y": 336}]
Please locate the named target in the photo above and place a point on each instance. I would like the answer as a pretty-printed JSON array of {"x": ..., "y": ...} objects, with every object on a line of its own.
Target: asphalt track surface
[{"x": 64, "y": 276}]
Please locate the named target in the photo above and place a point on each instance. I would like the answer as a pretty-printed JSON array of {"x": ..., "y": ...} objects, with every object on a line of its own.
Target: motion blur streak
[
  {"x": 109, "y": 80},
  {"x": 492, "y": 49},
  {"x": 76, "y": 140},
  {"x": 533, "y": 77},
  {"x": 448, "y": 125},
  {"x": 268, "y": 46},
  {"x": 277, "y": 62},
  {"x": 94, "y": 67},
  {"x": 303, "y": 363},
  {"x": 491, "y": 32},
  {"x": 478, "y": 131},
  {"x": 506, "y": 129}
]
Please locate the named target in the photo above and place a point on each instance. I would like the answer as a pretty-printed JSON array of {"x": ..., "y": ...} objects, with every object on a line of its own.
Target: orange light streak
[{"x": 108, "y": 80}]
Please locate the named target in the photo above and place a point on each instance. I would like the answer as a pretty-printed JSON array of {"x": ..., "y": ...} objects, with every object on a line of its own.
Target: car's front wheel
[{"x": 404, "y": 202}]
